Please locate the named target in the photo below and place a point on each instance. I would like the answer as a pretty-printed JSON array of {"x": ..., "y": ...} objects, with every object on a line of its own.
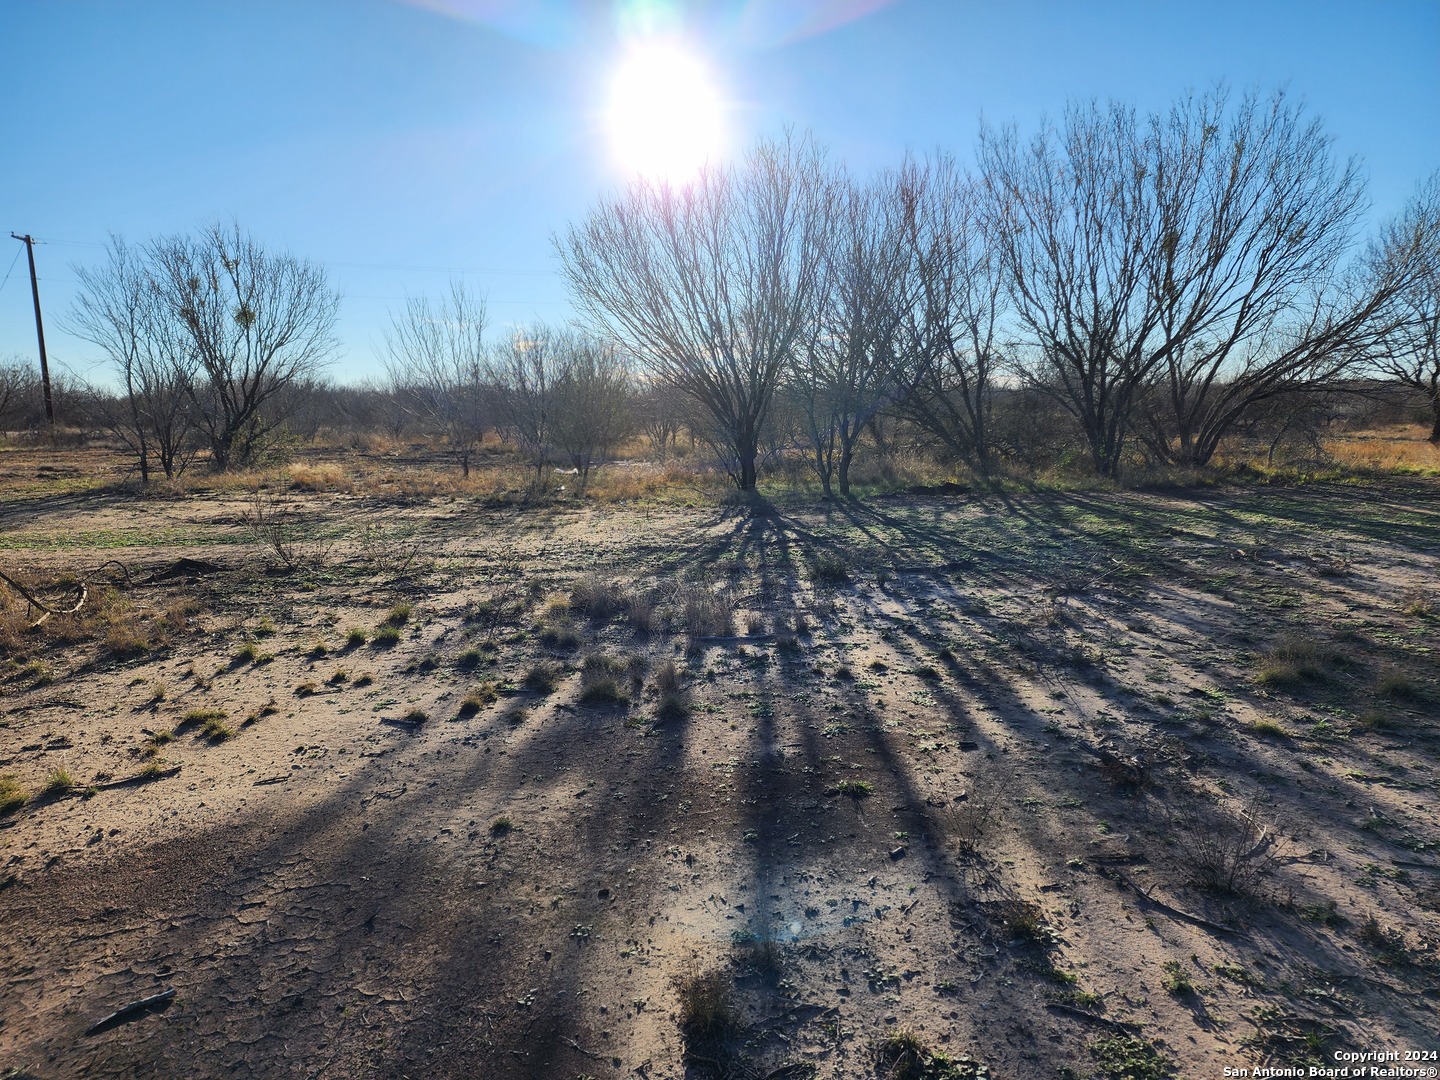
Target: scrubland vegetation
[{"x": 924, "y": 671}]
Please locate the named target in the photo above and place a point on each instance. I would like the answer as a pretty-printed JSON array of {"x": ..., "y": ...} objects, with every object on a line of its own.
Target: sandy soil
[{"x": 961, "y": 769}]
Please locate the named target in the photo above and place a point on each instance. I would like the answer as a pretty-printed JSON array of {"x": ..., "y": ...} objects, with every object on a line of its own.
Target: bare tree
[
  {"x": 1254, "y": 280},
  {"x": 711, "y": 284},
  {"x": 1073, "y": 223},
  {"x": 436, "y": 358},
  {"x": 257, "y": 323},
  {"x": 524, "y": 370},
  {"x": 1409, "y": 349},
  {"x": 594, "y": 402},
  {"x": 19, "y": 392},
  {"x": 847, "y": 369},
  {"x": 121, "y": 308},
  {"x": 1201, "y": 249},
  {"x": 955, "y": 310}
]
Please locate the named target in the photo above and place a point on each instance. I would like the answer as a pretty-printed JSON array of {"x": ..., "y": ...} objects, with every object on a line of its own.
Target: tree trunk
[
  {"x": 846, "y": 454},
  {"x": 1435, "y": 428}
]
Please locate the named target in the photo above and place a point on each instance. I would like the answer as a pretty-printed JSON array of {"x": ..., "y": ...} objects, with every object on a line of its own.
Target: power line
[{"x": 11, "y": 270}]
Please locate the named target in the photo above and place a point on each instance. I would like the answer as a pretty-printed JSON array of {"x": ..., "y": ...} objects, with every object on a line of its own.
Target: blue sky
[{"x": 401, "y": 142}]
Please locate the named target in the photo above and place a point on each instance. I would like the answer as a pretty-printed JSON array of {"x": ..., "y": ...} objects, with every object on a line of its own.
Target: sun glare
[{"x": 664, "y": 113}]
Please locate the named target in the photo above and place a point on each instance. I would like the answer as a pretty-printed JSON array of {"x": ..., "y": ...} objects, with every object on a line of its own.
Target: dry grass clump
[
  {"x": 556, "y": 629},
  {"x": 674, "y": 703},
  {"x": 542, "y": 678},
  {"x": 708, "y": 1013},
  {"x": 903, "y": 1055},
  {"x": 1395, "y": 683},
  {"x": 1296, "y": 659},
  {"x": 606, "y": 679},
  {"x": 706, "y": 613},
  {"x": 12, "y": 795},
  {"x": 597, "y": 598},
  {"x": 323, "y": 477}
]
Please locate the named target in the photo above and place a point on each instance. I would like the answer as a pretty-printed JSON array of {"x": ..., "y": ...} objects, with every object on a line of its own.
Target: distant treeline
[{"x": 1113, "y": 289}]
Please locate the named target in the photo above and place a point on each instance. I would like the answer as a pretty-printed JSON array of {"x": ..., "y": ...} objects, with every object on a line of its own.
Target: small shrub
[
  {"x": 338, "y": 676},
  {"x": 501, "y": 826},
  {"x": 306, "y": 689},
  {"x": 12, "y": 795},
  {"x": 1227, "y": 854},
  {"x": 469, "y": 660},
  {"x": 365, "y": 678},
  {"x": 415, "y": 716}
]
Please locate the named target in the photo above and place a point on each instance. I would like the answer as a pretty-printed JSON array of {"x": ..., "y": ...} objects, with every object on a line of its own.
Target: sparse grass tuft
[
  {"x": 597, "y": 598},
  {"x": 708, "y": 1015},
  {"x": 59, "y": 781},
  {"x": 827, "y": 568},
  {"x": 365, "y": 678},
  {"x": 12, "y": 795},
  {"x": 501, "y": 826},
  {"x": 604, "y": 680},
  {"x": 1394, "y": 683},
  {"x": 855, "y": 789},
  {"x": 1129, "y": 1057},
  {"x": 1295, "y": 660},
  {"x": 1268, "y": 729},
  {"x": 355, "y": 637},
  {"x": 386, "y": 637},
  {"x": 416, "y": 716},
  {"x": 477, "y": 699},
  {"x": 1176, "y": 980},
  {"x": 399, "y": 615},
  {"x": 543, "y": 677},
  {"x": 706, "y": 613},
  {"x": 903, "y": 1055}
]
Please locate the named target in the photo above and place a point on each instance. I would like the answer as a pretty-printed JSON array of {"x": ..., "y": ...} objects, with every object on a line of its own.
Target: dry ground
[{"x": 1061, "y": 785}]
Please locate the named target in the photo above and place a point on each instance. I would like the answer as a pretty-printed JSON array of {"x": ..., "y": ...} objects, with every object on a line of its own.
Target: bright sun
[{"x": 664, "y": 113}]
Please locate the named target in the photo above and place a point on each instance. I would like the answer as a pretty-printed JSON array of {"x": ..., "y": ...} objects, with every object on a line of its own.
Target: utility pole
[{"x": 29, "y": 242}]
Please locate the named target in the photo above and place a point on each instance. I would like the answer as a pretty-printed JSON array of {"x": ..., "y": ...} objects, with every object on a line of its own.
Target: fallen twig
[
  {"x": 119, "y": 1016},
  {"x": 1170, "y": 909},
  {"x": 1086, "y": 1014}
]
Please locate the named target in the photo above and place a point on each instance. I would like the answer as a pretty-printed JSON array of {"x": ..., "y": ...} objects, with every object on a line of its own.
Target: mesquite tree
[{"x": 710, "y": 284}]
